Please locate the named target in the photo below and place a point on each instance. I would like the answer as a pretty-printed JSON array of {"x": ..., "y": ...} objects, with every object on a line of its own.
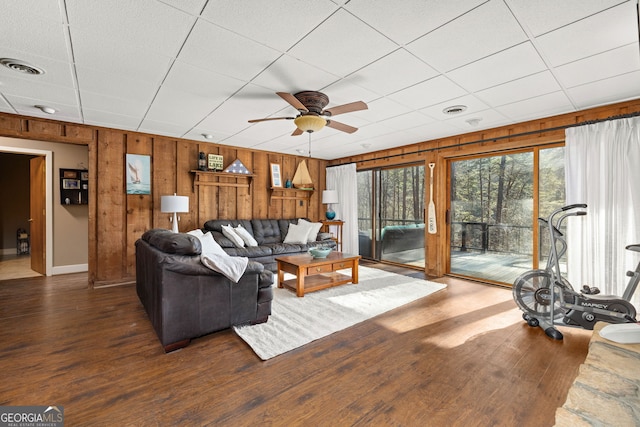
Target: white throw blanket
[{"x": 215, "y": 258}]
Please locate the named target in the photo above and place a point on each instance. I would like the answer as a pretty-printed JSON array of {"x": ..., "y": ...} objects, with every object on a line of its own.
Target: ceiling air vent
[
  {"x": 455, "y": 109},
  {"x": 21, "y": 66}
]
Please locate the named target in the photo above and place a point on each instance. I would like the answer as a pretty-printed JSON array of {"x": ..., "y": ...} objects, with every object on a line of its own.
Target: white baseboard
[
  {"x": 68, "y": 269},
  {"x": 9, "y": 251}
]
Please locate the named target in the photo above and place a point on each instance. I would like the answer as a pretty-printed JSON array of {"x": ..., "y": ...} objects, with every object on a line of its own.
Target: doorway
[{"x": 13, "y": 265}]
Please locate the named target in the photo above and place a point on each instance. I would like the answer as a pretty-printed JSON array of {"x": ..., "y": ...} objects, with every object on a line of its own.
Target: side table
[{"x": 326, "y": 224}]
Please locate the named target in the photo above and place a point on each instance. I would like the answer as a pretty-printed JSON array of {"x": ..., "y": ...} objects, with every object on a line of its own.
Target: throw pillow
[
  {"x": 230, "y": 234},
  {"x": 245, "y": 235},
  {"x": 314, "y": 229},
  {"x": 297, "y": 234}
]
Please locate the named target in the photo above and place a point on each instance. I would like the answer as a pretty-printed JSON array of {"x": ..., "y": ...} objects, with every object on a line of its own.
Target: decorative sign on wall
[
  {"x": 237, "y": 167},
  {"x": 216, "y": 162}
]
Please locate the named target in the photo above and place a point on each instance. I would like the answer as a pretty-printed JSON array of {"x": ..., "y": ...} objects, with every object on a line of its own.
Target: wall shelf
[
  {"x": 197, "y": 176},
  {"x": 281, "y": 193}
]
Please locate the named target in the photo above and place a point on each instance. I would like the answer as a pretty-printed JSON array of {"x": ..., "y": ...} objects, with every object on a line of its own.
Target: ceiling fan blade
[
  {"x": 346, "y": 108},
  {"x": 341, "y": 126},
  {"x": 297, "y": 132},
  {"x": 271, "y": 118},
  {"x": 292, "y": 100}
]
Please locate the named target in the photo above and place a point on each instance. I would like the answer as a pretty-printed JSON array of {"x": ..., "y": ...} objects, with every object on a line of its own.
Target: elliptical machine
[{"x": 547, "y": 299}]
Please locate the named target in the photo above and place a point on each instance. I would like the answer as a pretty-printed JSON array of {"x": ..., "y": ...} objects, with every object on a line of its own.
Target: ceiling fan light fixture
[{"x": 310, "y": 123}]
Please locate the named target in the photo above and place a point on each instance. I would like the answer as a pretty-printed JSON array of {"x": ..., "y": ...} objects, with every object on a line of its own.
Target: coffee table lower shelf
[{"x": 318, "y": 282}]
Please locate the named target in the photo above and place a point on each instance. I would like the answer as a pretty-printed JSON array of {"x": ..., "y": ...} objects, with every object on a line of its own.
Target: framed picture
[
  {"x": 84, "y": 175},
  {"x": 70, "y": 184},
  {"x": 71, "y": 174},
  {"x": 138, "y": 168},
  {"x": 276, "y": 176}
]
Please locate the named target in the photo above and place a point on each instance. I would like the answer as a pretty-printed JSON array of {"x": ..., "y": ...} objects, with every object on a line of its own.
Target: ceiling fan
[{"x": 313, "y": 117}]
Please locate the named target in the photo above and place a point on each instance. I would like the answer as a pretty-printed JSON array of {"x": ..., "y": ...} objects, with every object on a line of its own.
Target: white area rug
[{"x": 295, "y": 321}]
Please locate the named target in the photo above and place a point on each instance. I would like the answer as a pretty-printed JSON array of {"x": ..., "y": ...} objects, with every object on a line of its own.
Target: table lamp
[
  {"x": 174, "y": 204},
  {"x": 328, "y": 198}
]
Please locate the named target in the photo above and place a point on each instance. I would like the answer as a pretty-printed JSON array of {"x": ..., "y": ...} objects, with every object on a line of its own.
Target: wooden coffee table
[{"x": 313, "y": 274}]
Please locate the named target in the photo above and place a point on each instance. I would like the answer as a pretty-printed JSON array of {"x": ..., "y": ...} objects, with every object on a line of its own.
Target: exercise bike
[{"x": 548, "y": 300}]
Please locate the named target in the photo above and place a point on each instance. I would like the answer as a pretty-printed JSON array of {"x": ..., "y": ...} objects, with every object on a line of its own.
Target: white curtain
[
  {"x": 603, "y": 170},
  {"x": 344, "y": 180}
]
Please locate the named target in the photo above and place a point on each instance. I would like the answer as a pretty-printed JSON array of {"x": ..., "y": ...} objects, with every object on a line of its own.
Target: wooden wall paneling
[
  {"x": 288, "y": 166},
  {"x": 139, "y": 208},
  {"x": 110, "y": 199},
  {"x": 79, "y": 134},
  {"x": 227, "y": 196},
  {"x": 11, "y": 125},
  {"x": 40, "y": 127},
  {"x": 186, "y": 161},
  {"x": 163, "y": 178},
  {"x": 243, "y": 195},
  {"x": 261, "y": 183},
  {"x": 207, "y": 194},
  {"x": 275, "y": 210},
  {"x": 92, "y": 213}
]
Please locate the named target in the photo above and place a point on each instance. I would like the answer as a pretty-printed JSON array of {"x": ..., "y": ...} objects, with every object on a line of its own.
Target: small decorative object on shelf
[
  {"x": 237, "y": 167},
  {"x": 216, "y": 162},
  {"x": 202, "y": 161},
  {"x": 288, "y": 183}
]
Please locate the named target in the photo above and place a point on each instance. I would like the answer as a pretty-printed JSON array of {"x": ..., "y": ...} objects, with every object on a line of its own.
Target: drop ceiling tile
[
  {"x": 111, "y": 120},
  {"x": 4, "y": 105},
  {"x": 382, "y": 109},
  {"x": 119, "y": 59},
  {"x": 407, "y": 121},
  {"x": 616, "y": 27},
  {"x": 33, "y": 87},
  {"x": 405, "y": 68},
  {"x": 216, "y": 49},
  {"x": 109, "y": 104},
  {"x": 431, "y": 92},
  {"x": 598, "y": 67},
  {"x": 180, "y": 108},
  {"x": 541, "y": 106},
  {"x": 192, "y": 7},
  {"x": 26, "y": 106},
  {"x": 344, "y": 91},
  {"x": 195, "y": 134},
  {"x": 478, "y": 120},
  {"x": 542, "y": 16},
  {"x": 32, "y": 34},
  {"x": 505, "y": 66},
  {"x": 198, "y": 81},
  {"x": 56, "y": 72},
  {"x": 406, "y": 21},
  {"x": 276, "y": 23},
  {"x": 291, "y": 75},
  {"x": 521, "y": 89},
  {"x": 25, "y": 9},
  {"x": 164, "y": 128},
  {"x": 115, "y": 84},
  {"x": 141, "y": 24},
  {"x": 432, "y": 131},
  {"x": 484, "y": 31},
  {"x": 342, "y": 44},
  {"x": 614, "y": 89}
]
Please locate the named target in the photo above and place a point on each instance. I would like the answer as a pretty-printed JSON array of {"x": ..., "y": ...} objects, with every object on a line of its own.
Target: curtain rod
[{"x": 516, "y": 135}]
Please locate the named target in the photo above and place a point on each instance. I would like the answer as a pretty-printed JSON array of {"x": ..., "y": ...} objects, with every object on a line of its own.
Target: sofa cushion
[
  {"x": 173, "y": 243},
  {"x": 268, "y": 231}
]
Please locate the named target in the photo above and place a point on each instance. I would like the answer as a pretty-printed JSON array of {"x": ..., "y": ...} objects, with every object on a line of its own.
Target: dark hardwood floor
[{"x": 462, "y": 356}]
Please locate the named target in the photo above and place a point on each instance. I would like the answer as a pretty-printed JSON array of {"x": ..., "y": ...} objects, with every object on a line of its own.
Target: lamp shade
[
  {"x": 329, "y": 196},
  {"x": 174, "y": 203},
  {"x": 310, "y": 123}
]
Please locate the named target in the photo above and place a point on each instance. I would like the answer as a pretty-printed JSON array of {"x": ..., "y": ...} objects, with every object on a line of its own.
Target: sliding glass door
[
  {"x": 494, "y": 205},
  {"x": 391, "y": 214}
]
